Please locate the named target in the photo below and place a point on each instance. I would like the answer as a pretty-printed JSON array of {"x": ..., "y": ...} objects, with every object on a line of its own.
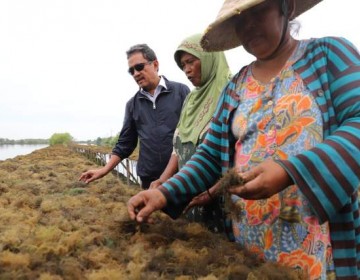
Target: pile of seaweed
[{"x": 54, "y": 227}]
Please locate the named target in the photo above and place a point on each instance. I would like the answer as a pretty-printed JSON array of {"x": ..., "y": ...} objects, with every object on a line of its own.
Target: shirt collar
[{"x": 158, "y": 88}]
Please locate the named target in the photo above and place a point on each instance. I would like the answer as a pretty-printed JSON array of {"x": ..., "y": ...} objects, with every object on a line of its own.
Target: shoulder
[
  {"x": 133, "y": 98},
  {"x": 172, "y": 85},
  {"x": 330, "y": 41},
  {"x": 332, "y": 46},
  {"x": 229, "y": 99},
  {"x": 131, "y": 101},
  {"x": 331, "y": 54},
  {"x": 235, "y": 80},
  {"x": 239, "y": 74}
]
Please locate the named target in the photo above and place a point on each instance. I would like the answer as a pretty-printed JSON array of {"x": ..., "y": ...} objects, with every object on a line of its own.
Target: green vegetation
[
  {"x": 60, "y": 138},
  {"x": 104, "y": 142},
  {"x": 5, "y": 141},
  {"x": 63, "y": 138}
]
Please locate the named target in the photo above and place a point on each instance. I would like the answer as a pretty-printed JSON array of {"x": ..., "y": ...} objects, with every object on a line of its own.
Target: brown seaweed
[
  {"x": 231, "y": 179},
  {"x": 53, "y": 227}
]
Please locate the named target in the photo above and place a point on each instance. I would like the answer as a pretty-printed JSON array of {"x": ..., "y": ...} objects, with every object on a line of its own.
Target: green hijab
[{"x": 201, "y": 102}]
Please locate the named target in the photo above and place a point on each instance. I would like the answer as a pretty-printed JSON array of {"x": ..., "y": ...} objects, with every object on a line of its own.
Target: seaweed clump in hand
[{"x": 231, "y": 179}]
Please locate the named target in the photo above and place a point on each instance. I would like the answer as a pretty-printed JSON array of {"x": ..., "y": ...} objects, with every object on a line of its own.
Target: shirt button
[{"x": 320, "y": 92}]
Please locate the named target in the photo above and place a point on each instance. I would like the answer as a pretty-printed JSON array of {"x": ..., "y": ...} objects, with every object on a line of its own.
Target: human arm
[
  {"x": 125, "y": 145},
  {"x": 94, "y": 174},
  {"x": 128, "y": 137},
  {"x": 170, "y": 170},
  {"x": 328, "y": 174}
]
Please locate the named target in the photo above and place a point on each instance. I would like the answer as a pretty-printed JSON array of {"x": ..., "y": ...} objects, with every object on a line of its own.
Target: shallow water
[{"x": 11, "y": 151}]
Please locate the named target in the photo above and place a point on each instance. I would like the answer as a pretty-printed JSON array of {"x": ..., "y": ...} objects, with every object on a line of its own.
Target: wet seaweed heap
[{"x": 54, "y": 227}]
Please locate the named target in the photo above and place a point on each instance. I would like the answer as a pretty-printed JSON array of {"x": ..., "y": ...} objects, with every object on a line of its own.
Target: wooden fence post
[
  {"x": 99, "y": 157},
  {"x": 127, "y": 172}
]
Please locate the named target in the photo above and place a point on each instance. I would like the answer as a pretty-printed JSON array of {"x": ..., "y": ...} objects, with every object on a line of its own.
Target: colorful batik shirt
[{"x": 276, "y": 120}]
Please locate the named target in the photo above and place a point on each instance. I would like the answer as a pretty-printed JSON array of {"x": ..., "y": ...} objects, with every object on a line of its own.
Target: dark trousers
[{"x": 146, "y": 181}]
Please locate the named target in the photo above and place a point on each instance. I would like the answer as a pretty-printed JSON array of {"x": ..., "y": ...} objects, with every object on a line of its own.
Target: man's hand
[
  {"x": 92, "y": 175},
  {"x": 155, "y": 184},
  {"x": 143, "y": 204}
]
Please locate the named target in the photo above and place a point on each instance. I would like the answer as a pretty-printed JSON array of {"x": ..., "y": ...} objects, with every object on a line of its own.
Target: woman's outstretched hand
[
  {"x": 263, "y": 181},
  {"x": 143, "y": 204},
  {"x": 204, "y": 198}
]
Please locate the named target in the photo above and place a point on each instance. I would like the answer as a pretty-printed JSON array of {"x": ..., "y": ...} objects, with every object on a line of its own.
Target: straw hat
[{"x": 221, "y": 35}]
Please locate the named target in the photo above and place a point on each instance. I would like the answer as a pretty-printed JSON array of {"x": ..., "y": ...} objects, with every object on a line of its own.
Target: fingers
[
  {"x": 82, "y": 177},
  {"x": 133, "y": 206},
  {"x": 249, "y": 175},
  {"x": 90, "y": 178},
  {"x": 193, "y": 202},
  {"x": 153, "y": 200},
  {"x": 263, "y": 181},
  {"x": 155, "y": 184},
  {"x": 251, "y": 189},
  {"x": 200, "y": 200},
  {"x": 144, "y": 214},
  {"x": 144, "y": 203},
  {"x": 256, "y": 185},
  {"x": 87, "y": 177}
]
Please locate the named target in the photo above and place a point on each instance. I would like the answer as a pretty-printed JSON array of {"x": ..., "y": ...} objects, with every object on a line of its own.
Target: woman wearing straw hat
[
  {"x": 290, "y": 124},
  {"x": 209, "y": 73}
]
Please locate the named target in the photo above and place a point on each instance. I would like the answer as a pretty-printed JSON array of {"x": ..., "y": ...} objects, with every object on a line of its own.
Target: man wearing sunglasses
[{"x": 151, "y": 117}]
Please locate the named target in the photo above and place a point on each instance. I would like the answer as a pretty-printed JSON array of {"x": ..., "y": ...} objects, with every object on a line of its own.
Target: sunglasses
[{"x": 138, "y": 67}]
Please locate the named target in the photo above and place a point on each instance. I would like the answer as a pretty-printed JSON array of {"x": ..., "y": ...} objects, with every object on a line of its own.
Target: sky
[{"x": 63, "y": 65}]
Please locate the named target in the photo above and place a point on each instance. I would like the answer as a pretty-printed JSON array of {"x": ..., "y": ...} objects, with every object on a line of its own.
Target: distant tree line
[
  {"x": 102, "y": 141},
  {"x": 5, "y": 141},
  {"x": 62, "y": 138}
]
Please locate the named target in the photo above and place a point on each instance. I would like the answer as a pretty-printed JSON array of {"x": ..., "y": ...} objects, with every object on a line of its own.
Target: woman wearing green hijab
[{"x": 209, "y": 73}]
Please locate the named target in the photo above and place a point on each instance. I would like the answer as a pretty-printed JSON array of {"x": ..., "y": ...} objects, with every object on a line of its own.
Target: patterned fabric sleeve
[{"x": 328, "y": 174}]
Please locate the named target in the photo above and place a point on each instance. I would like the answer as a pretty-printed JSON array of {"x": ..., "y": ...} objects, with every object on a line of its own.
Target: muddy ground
[{"x": 54, "y": 227}]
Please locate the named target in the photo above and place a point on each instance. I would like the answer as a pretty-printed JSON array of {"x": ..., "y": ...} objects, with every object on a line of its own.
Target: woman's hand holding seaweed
[{"x": 263, "y": 181}]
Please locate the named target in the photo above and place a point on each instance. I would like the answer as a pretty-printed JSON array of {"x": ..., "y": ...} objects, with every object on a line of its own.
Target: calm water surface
[{"x": 11, "y": 151}]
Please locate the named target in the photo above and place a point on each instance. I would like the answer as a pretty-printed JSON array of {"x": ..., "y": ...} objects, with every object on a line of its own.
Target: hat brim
[{"x": 221, "y": 35}]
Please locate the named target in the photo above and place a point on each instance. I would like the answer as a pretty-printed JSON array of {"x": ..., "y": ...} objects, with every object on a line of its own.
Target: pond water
[{"x": 11, "y": 151}]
